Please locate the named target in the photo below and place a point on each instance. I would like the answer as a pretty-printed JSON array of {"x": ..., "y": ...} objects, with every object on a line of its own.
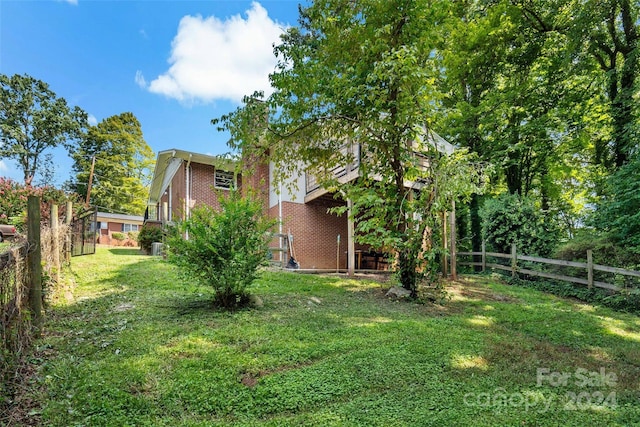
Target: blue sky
[{"x": 174, "y": 64}]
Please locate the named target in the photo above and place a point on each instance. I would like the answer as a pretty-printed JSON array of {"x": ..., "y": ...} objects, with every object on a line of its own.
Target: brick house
[
  {"x": 182, "y": 179},
  {"x": 320, "y": 239},
  {"x": 109, "y": 223}
]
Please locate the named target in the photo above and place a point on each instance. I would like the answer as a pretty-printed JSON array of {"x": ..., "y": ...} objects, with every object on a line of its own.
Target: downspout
[
  {"x": 188, "y": 192},
  {"x": 170, "y": 202},
  {"x": 170, "y": 193},
  {"x": 282, "y": 254}
]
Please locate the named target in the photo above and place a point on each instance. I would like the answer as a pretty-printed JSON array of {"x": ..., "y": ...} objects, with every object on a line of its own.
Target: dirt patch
[
  {"x": 463, "y": 289},
  {"x": 249, "y": 380}
]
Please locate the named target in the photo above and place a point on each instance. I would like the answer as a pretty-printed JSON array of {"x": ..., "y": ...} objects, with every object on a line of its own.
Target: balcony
[{"x": 342, "y": 173}]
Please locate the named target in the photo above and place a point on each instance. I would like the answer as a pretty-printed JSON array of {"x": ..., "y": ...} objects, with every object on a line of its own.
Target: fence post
[
  {"x": 484, "y": 256},
  {"x": 445, "y": 267},
  {"x": 589, "y": 268},
  {"x": 514, "y": 261},
  {"x": 55, "y": 243},
  {"x": 34, "y": 262},
  {"x": 452, "y": 246},
  {"x": 67, "y": 221}
]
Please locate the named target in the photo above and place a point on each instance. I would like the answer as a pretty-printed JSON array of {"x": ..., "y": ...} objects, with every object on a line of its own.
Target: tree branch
[{"x": 310, "y": 123}]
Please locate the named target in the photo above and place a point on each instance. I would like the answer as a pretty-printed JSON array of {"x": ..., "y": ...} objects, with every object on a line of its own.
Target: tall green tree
[
  {"x": 604, "y": 35},
  {"x": 122, "y": 168},
  {"x": 33, "y": 120},
  {"x": 471, "y": 56},
  {"x": 602, "y": 52},
  {"x": 610, "y": 33},
  {"x": 618, "y": 212},
  {"x": 515, "y": 92},
  {"x": 362, "y": 73}
]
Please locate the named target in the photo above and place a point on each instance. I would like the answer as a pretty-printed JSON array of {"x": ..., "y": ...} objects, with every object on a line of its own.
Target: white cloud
[
  {"x": 92, "y": 120},
  {"x": 73, "y": 2},
  {"x": 139, "y": 79},
  {"x": 3, "y": 167},
  {"x": 214, "y": 59}
]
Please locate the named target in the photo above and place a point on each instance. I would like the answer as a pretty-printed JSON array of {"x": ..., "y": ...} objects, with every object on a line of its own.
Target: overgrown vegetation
[
  {"x": 148, "y": 235},
  {"x": 138, "y": 346},
  {"x": 618, "y": 213},
  {"x": 16, "y": 316},
  {"x": 13, "y": 202},
  {"x": 15, "y": 331},
  {"x": 224, "y": 247},
  {"x": 606, "y": 250},
  {"x": 513, "y": 219},
  {"x": 625, "y": 300}
]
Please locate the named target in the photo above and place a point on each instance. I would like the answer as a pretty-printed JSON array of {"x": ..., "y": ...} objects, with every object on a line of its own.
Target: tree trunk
[{"x": 407, "y": 263}]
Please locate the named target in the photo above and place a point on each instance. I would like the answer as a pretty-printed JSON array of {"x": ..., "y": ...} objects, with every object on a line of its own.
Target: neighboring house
[
  {"x": 320, "y": 240},
  {"x": 109, "y": 223}
]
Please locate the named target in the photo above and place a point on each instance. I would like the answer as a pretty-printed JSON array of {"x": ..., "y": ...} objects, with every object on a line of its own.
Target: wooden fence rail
[{"x": 515, "y": 268}]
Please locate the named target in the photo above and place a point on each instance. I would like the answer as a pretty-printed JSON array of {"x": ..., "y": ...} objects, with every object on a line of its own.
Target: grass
[{"x": 137, "y": 346}]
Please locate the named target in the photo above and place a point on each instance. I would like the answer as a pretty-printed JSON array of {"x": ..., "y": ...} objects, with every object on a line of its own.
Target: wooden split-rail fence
[{"x": 586, "y": 272}]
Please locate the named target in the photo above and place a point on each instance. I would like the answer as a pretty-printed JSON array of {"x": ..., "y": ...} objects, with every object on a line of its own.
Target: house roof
[
  {"x": 429, "y": 137},
  {"x": 114, "y": 217},
  {"x": 168, "y": 163}
]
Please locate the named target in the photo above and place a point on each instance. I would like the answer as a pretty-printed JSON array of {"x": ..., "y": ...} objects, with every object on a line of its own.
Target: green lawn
[{"x": 138, "y": 346}]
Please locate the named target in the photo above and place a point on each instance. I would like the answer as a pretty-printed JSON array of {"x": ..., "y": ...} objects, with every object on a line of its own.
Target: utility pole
[{"x": 93, "y": 164}]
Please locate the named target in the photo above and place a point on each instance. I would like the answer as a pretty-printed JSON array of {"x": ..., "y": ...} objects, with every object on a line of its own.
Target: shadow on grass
[{"x": 125, "y": 251}]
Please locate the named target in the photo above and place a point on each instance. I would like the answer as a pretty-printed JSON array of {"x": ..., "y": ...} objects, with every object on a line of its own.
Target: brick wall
[
  {"x": 314, "y": 230},
  {"x": 178, "y": 194},
  {"x": 315, "y": 233},
  {"x": 256, "y": 178},
  {"x": 202, "y": 189}
]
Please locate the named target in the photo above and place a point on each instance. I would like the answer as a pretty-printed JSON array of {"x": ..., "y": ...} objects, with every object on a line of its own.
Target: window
[
  {"x": 129, "y": 227},
  {"x": 223, "y": 179}
]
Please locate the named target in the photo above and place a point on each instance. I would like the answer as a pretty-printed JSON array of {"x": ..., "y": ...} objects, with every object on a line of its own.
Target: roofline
[
  {"x": 109, "y": 215},
  {"x": 165, "y": 156}
]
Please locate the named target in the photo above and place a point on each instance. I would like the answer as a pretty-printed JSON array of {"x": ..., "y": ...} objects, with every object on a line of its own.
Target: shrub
[
  {"x": 133, "y": 236},
  {"x": 618, "y": 211},
  {"x": 13, "y": 202},
  {"x": 118, "y": 236},
  {"x": 606, "y": 250},
  {"x": 224, "y": 249},
  {"x": 512, "y": 219},
  {"x": 148, "y": 235}
]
